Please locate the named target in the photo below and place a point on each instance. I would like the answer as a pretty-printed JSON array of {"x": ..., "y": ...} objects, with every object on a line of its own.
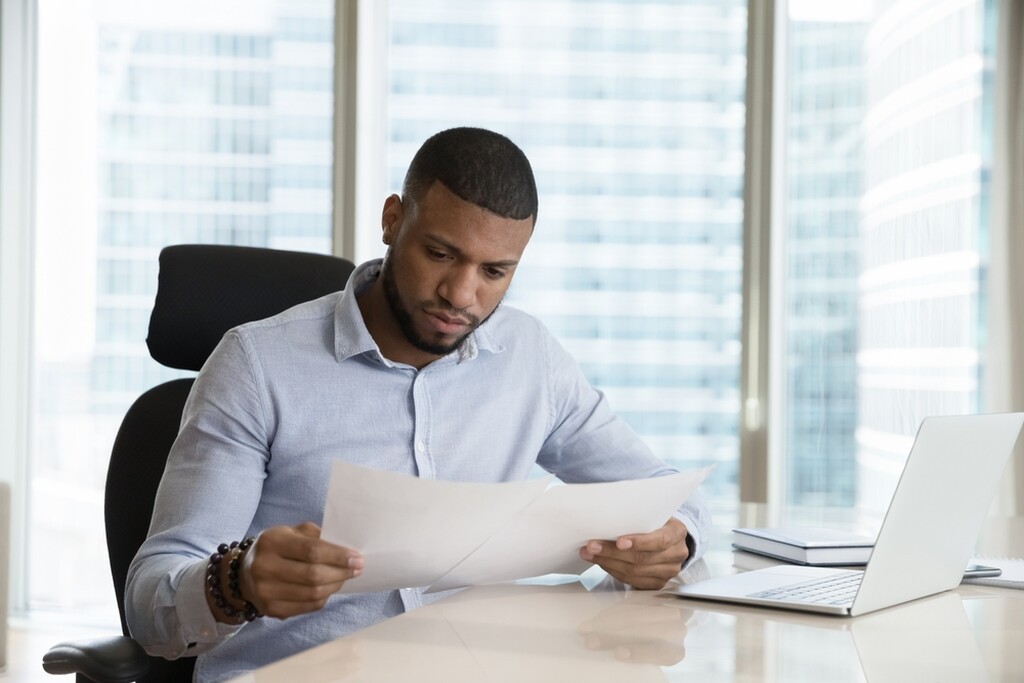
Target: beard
[{"x": 405, "y": 323}]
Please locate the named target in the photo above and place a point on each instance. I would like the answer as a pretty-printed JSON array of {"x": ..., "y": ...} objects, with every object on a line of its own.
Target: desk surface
[{"x": 598, "y": 630}]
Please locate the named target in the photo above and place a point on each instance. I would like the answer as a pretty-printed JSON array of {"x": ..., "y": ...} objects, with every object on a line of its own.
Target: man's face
[{"x": 448, "y": 266}]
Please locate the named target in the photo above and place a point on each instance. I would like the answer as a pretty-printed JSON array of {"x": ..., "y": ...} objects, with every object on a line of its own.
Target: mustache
[{"x": 449, "y": 311}]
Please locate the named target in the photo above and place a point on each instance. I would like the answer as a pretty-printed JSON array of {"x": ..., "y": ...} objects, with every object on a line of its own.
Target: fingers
[
  {"x": 302, "y": 544},
  {"x": 643, "y": 576},
  {"x": 642, "y": 560},
  {"x": 289, "y": 570},
  {"x": 670, "y": 534}
]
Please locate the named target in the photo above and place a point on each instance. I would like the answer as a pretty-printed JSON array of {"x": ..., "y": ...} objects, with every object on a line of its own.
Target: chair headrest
[{"x": 204, "y": 290}]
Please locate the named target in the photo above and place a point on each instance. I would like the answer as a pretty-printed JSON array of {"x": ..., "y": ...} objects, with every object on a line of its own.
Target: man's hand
[
  {"x": 642, "y": 560},
  {"x": 290, "y": 571}
]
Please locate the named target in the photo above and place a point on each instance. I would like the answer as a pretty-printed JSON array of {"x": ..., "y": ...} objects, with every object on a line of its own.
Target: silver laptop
[{"x": 926, "y": 538}]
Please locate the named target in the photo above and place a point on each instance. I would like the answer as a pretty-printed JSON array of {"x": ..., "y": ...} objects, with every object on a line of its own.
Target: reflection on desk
[{"x": 604, "y": 632}]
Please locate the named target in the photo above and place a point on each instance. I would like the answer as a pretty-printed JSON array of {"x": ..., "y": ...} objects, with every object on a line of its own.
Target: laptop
[{"x": 926, "y": 538}]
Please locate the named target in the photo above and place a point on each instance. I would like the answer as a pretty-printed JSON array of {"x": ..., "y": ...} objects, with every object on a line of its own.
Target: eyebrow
[{"x": 508, "y": 263}]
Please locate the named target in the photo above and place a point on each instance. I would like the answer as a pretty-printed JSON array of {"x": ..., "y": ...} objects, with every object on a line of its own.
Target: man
[{"x": 416, "y": 368}]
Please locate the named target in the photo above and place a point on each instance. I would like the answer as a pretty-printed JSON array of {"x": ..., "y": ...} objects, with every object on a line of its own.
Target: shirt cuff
[
  {"x": 692, "y": 540},
  {"x": 199, "y": 628}
]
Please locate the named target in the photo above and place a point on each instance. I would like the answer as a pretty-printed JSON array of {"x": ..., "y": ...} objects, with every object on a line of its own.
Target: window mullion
[{"x": 758, "y": 210}]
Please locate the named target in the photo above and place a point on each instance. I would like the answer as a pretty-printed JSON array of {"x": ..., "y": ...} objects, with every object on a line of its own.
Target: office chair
[{"x": 203, "y": 291}]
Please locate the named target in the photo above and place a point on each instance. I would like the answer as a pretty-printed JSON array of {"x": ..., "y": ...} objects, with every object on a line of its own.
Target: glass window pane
[
  {"x": 632, "y": 115},
  {"x": 887, "y": 159},
  {"x": 158, "y": 124}
]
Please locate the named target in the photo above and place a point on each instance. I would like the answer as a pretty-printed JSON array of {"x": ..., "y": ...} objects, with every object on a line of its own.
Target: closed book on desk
[{"x": 806, "y": 545}]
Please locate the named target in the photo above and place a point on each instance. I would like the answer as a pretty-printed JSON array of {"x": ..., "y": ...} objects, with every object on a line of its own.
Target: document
[{"x": 422, "y": 532}]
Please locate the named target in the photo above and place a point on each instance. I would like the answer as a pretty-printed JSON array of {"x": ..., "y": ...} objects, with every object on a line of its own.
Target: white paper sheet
[
  {"x": 545, "y": 538},
  {"x": 443, "y": 534},
  {"x": 411, "y": 531}
]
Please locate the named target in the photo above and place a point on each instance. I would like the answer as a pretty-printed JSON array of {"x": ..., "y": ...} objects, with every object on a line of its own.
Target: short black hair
[{"x": 478, "y": 166}]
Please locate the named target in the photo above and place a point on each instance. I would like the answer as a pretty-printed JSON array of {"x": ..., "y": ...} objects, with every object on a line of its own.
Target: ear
[{"x": 391, "y": 218}]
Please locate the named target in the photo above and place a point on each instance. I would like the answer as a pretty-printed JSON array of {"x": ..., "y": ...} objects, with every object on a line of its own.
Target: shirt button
[{"x": 420, "y": 447}]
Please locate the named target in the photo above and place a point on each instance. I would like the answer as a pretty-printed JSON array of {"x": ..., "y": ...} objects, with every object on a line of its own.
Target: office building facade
[
  {"x": 923, "y": 227},
  {"x": 821, "y": 243}
]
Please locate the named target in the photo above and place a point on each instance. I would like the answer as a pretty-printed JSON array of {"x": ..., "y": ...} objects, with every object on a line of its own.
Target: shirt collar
[{"x": 351, "y": 337}]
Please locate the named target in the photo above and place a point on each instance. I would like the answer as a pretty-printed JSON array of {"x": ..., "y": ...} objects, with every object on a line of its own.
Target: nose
[{"x": 458, "y": 287}]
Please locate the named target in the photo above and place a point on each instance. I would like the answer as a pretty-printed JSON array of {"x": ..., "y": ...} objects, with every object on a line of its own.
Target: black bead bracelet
[{"x": 248, "y": 611}]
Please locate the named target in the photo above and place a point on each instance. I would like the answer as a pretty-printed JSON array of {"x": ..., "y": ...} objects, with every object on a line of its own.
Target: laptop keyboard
[{"x": 838, "y": 589}]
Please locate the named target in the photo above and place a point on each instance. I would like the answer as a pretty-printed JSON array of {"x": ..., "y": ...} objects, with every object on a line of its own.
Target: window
[
  {"x": 632, "y": 115},
  {"x": 884, "y": 239},
  {"x": 194, "y": 121},
  {"x": 157, "y": 124}
]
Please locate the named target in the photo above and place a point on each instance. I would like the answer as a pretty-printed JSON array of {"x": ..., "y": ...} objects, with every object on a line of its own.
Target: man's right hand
[{"x": 290, "y": 571}]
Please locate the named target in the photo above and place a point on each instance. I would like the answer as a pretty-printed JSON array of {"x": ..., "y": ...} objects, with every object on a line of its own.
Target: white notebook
[{"x": 805, "y": 545}]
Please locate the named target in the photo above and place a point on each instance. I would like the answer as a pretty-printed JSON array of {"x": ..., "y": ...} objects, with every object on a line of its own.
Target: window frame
[{"x": 761, "y": 335}]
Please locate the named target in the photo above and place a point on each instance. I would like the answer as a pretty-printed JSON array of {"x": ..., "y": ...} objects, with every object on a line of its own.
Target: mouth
[{"x": 446, "y": 324}]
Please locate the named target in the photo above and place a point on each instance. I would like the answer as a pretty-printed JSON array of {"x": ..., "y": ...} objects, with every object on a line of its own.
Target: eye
[
  {"x": 494, "y": 273},
  {"x": 436, "y": 254}
]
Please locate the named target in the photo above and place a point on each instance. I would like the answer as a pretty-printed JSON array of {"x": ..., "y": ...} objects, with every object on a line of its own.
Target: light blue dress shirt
[{"x": 279, "y": 399}]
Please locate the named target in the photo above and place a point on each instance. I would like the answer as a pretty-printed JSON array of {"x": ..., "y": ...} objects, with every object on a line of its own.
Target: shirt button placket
[{"x": 421, "y": 406}]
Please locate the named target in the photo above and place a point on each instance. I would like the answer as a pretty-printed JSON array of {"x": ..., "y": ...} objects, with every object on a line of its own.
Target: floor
[{"x": 25, "y": 648}]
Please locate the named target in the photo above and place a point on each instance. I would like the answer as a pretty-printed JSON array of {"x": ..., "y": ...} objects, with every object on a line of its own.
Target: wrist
[{"x": 224, "y": 584}]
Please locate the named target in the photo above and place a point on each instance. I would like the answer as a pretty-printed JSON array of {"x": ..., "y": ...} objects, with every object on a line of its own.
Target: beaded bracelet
[{"x": 248, "y": 611}]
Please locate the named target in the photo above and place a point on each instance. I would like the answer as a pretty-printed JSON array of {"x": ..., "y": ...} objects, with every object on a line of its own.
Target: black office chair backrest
[{"x": 203, "y": 291}]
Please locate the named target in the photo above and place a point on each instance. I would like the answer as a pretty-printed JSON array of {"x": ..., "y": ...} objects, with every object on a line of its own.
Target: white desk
[{"x": 537, "y": 633}]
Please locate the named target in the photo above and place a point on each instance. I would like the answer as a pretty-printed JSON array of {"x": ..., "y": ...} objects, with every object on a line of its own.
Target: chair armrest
[{"x": 116, "y": 659}]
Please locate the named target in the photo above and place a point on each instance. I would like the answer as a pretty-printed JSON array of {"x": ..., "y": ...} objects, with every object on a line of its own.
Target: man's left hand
[{"x": 642, "y": 560}]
